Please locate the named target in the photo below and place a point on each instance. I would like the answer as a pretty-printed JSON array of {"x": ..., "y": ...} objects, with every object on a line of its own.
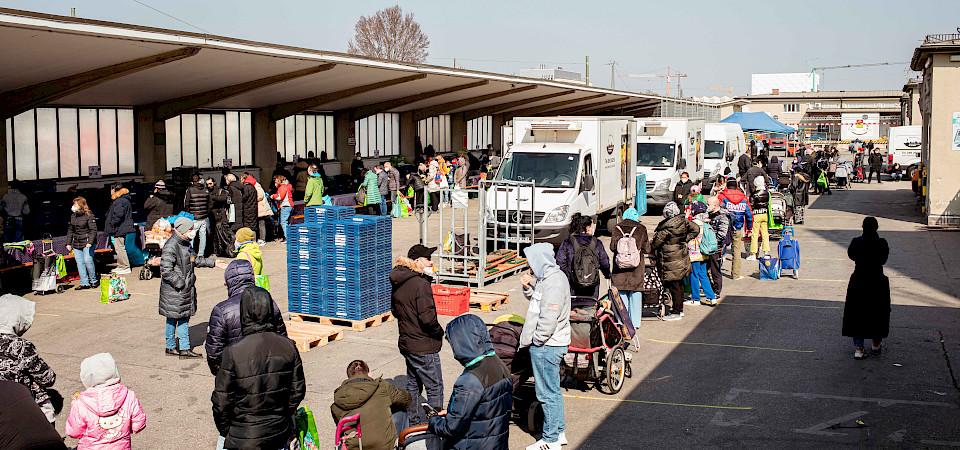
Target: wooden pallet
[
  {"x": 355, "y": 325},
  {"x": 308, "y": 334},
  {"x": 488, "y": 300}
]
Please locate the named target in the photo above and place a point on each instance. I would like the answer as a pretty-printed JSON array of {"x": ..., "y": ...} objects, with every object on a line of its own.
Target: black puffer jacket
[
  {"x": 218, "y": 204},
  {"x": 119, "y": 221},
  {"x": 224, "y": 326},
  {"x": 235, "y": 191},
  {"x": 197, "y": 201},
  {"x": 178, "y": 292},
  {"x": 82, "y": 230},
  {"x": 249, "y": 206},
  {"x": 158, "y": 206},
  {"x": 760, "y": 201},
  {"x": 671, "y": 240},
  {"x": 22, "y": 423},
  {"x": 413, "y": 306},
  {"x": 260, "y": 383}
]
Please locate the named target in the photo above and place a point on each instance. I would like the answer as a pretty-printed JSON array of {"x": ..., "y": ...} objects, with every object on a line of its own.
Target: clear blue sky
[{"x": 716, "y": 43}]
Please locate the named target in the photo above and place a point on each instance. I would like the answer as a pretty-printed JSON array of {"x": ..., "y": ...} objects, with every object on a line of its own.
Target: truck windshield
[
  {"x": 713, "y": 150},
  {"x": 651, "y": 154},
  {"x": 551, "y": 170}
]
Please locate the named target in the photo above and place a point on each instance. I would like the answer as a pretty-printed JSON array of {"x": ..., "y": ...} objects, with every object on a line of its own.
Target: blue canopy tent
[{"x": 758, "y": 121}]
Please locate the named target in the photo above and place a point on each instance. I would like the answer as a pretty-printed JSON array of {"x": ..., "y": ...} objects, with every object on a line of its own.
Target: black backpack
[{"x": 585, "y": 270}]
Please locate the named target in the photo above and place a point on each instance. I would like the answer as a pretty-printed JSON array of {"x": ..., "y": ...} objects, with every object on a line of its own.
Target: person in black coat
[
  {"x": 582, "y": 230},
  {"x": 22, "y": 422},
  {"x": 743, "y": 164},
  {"x": 197, "y": 202},
  {"x": 235, "y": 202},
  {"x": 876, "y": 162},
  {"x": 159, "y": 205},
  {"x": 670, "y": 242},
  {"x": 773, "y": 170},
  {"x": 756, "y": 171},
  {"x": 224, "y": 326},
  {"x": 260, "y": 383},
  {"x": 866, "y": 313},
  {"x": 682, "y": 190},
  {"x": 119, "y": 224},
  {"x": 250, "y": 200},
  {"x": 356, "y": 169},
  {"x": 82, "y": 241}
]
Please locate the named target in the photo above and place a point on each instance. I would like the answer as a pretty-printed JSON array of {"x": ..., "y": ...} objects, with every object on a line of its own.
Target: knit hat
[
  {"x": 671, "y": 210},
  {"x": 695, "y": 188},
  {"x": 245, "y": 234},
  {"x": 160, "y": 185},
  {"x": 183, "y": 225},
  {"x": 99, "y": 370},
  {"x": 698, "y": 207}
]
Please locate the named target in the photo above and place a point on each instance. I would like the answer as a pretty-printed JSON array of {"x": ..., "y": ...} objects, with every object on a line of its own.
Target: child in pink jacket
[{"x": 107, "y": 413}]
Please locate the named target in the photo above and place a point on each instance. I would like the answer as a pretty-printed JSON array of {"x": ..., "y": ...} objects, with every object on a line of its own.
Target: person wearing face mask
[
  {"x": 421, "y": 335},
  {"x": 682, "y": 190},
  {"x": 248, "y": 249},
  {"x": 178, "y": 292},
  {"x": 82, "y": 241}
]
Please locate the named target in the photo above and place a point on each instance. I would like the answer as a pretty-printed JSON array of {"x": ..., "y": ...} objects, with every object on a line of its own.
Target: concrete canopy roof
[{"x": 188, "y": 71}]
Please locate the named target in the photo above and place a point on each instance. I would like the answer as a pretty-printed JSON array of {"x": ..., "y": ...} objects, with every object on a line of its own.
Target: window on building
[
  {"x": 302, "y": 133},
  {"x": 49, "y": 143},
  {"x": 479, "y": 133},
  {"x": 378, "y": 135},
  {"x": 435, "y": 131},
  {"x": 791, "y": 107},
  {"x": 204, "y": 140}
]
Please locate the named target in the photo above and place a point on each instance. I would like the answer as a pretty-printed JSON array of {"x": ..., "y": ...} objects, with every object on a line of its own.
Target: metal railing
[{"x": 932, "y": 38}]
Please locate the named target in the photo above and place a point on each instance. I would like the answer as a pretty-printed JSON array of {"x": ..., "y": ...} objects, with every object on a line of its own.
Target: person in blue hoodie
[
  {"x": 478, "y": 416},
  {"x": 546, "y": 331}
]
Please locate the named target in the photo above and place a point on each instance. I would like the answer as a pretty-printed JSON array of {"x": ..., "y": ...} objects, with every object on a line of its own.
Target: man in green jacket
[
  {"x": 374, "y": 400},
  {"x": 314, "y": 194}
]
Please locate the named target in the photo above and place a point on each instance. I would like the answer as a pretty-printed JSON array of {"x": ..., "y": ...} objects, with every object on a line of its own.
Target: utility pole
[
  {"x": 612, "y": 65},
  {"x": 587, "y": 71},
  {"x": 73, "y": 12}
]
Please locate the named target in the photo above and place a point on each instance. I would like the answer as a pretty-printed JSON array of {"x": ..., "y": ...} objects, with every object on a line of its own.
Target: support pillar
[
  {"x": 3, "y": 157},
  {"x": 408, "y": 136},
  {"x": 497, "y": 124},
  {"x": 343, "y": 131},
  {"x": 151, "y": 145},
  {"x": 264, "y": 142},
  {"x": 458, "y": 129}
]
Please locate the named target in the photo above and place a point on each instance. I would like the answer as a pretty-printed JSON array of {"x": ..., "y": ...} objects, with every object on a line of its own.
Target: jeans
[
  {"x": 384, "y": 210},
  {"x": 737, "y": 252},
  {"x": 13, "y": 229},
  {"x": 423, "y": 372},
  {"x": 85, "y": 266},
  {"x": 858, "y": 342},
  {"x": 760, "y": 227},
  {"x": 202, "y": 226},
  {"x": 700, "y": 280},
  {"x": 634, "y": 302},
  {"x": 285, "y": 218},
  {"x": 123, "y": 260},
  {"x": 546, "y": 374},
  {"x": 182, "y": 328}
]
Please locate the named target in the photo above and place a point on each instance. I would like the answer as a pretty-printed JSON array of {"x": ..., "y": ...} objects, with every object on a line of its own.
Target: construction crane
[
  {"x": 668, "y": 76},
  {"x": 813, "y": 71},
  {"x": 720, "y": 89}
]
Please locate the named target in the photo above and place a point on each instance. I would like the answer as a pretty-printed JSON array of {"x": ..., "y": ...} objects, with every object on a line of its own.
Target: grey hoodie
[{"x": 548, "y": 316}]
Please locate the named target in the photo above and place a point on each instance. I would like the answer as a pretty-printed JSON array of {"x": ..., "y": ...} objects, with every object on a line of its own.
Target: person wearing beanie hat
[
  {"x": 178, "y": 292},
  {"x": 248, "y": 249},
  {"x": 695, "y": 195},
  {"x": 107, "y": 412},
  {"x": 670, "y": 239},
  {"x": 159, "y": 204}
]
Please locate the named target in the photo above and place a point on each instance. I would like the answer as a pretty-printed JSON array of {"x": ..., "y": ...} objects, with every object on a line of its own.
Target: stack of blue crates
[{"x": 339, "y": 264}]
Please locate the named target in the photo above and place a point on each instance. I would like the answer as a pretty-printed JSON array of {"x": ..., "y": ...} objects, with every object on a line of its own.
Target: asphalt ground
[{"x": 767, "y": 367}]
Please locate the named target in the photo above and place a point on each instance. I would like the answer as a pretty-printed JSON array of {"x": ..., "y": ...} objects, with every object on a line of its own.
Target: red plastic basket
[{"x": 451, "y": 301}]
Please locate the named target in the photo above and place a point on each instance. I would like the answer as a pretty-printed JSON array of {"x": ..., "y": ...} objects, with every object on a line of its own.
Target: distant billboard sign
[{"x": 865, "y": 127}]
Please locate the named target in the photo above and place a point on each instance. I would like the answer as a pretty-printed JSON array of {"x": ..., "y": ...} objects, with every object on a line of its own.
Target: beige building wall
[{"x": 943, "y": 197}]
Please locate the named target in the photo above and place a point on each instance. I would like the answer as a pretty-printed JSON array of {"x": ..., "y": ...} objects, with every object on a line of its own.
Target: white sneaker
[
  {"x": 122, "y": 271},
  {"x": 690, "y": 302},
  {"x": 751, "y": 258},
  {"x": 261, "y": 242},
  {"x": 739, "y": 278},
  {"x": 542, "y": 445},
  {"x": 562, "y": 439}
]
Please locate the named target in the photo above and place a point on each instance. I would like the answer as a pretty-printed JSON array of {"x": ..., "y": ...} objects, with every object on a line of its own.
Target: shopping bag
[
  {"x": 769, "y": 268},
  {"x": 307, "y": 429},
  {"x": 459, "y": 199},
  {"x": 822, "y": 180},
  {"x": 61, "y": 267},
  {"x": 361, "y": 196},
  {"x": 232, "y": 213},
  {"x": 448, "y": 242},
  {"x": 397, "y": 210},
  {"x": 410, "y": 192},
  {"x": 327, "y": 201},
  {"x": 263, "y": 281},
  {"x": 405, "y": 207},
  {"x": 113, "y": 288}
]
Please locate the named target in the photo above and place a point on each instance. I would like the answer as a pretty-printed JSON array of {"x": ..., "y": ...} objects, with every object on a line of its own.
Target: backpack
[
  {"x": 628, "y": 255},
  {"x": 708, "y": 245},
  {"x": 586, "y": 265}
]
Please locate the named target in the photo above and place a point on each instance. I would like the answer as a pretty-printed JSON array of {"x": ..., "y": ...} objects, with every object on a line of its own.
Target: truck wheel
[{"x": 911, "y": 171}]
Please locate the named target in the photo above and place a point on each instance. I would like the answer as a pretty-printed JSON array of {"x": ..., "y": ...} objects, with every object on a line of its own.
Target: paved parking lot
[{"x": 766, "y": 367}]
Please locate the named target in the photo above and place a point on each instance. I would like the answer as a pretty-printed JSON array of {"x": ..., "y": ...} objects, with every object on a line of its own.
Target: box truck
[
  {"x": 903, "y": 147},
  {"x": 724, "y": 143},
  {"x": 583, "y": 165},
  {"x": 667, "y": 147}
]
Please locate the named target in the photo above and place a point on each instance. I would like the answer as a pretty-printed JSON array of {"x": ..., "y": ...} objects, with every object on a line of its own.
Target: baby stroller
[
  {"x": 842, "y": 175},
  {"x": 45, "y": 272},
  {"x": 654, "y": 295},
  {"x": 505, "y": 336},
  {"x": 154, "y": 240},
  {"x": 596, "y": 353},
  {"x": 776, "y": 214}
]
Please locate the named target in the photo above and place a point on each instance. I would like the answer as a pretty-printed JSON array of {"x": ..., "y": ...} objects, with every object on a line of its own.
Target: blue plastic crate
[{"x": 327, "y": 213}]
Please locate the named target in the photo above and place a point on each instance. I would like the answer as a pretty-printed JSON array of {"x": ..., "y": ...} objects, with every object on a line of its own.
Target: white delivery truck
[
  {"x": 583, "y": 165},
  {"x": 724, "y": 143},
  {"x": 903, "y": 147},
  {"x": 667, "y": 147}
]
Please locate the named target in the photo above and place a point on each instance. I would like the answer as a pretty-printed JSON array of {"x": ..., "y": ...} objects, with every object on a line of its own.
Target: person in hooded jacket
[
  {"x": 250, "y": 202},
  {"x": 374, "y": 400},
  {"x": 478, "y": 416},
  {"x": 670, "y": 239},
  {"x": 82, "y": 241},
  {"x": 757, "y": 171},
  {"x": 260, "y": 383},
  {"x": 421, "y": 335},
  {"x": 629, "y": 280},
  {"x": 119, "y": 224},
  {"x": 159, "y": 204},
  {"x": 546, "y": 332},
  {"x": 22, "y": 423},
  {"x": 760, "y": 201},
  {"x": 224, "y": 325},
  {"x": 582, "y": 229},
  {"x": 866, "y": 313},
  {"x": 107, "y": 412},
  {"x": 734, "y": 200},
  {"x": 178, "y": 292},
  {"x": 682, "y": 190},
  {"x": 264, "y": 211},
  {"x": 247, "y": 249},
  {"x": 19, "y": 359}
]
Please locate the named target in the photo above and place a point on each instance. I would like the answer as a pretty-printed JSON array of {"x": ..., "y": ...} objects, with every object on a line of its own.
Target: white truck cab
[
  {"x": 580, "y": 165},
  {"x": 903, "y": 147},
  {"x": 724, "y": 143},
  {"x": 667, "y": 147}
]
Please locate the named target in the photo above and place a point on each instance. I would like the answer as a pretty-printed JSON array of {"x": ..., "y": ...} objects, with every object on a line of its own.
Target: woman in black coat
[
  {"x": 159, "y": 204},
  {"x": 866, "y": 313},
  {"x": 82, "y": 241},
  {"x": 670, "y": 241}
]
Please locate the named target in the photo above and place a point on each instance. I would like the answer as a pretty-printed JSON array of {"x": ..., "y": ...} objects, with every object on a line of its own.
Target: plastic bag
[
  {"x": 327, "y": 201},
  {"x": 822, "y": 180},
  {"x": 263, "y": 281},
  {"x": 307, "y": 429},
  {"x": 113, "y": 288},
  {"x": 769, "y": 268},
  {"x": 61, "y": 267}
]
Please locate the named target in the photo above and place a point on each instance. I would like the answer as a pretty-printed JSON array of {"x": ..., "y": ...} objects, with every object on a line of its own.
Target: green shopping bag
[
  {"x": 822, "y": 180},
  {"x": 404, "y": 206},
  {"x": 113, "y": 288},
  {"x": 307, "y": 429},
  {"x": 397, "y": 210},
  {"x": 61, "y": 267},
  {"x": 263, "y": 281}
]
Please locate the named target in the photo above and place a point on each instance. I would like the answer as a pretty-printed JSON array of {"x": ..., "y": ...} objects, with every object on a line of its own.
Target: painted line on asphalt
[
  {"x": 44, "y": 314},
  {"x": 791, "y": 306},
  {"x": 827, "y": 281},
  {"x": 733, "y": 346},
  {"x": 827, "y": 259},
  {"x": 627, "y": 400}
]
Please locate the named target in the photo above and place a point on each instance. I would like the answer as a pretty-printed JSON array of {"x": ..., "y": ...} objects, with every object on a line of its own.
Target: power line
[
  {"x": 172, "y": 17},
  {"x": 508, "y": 61}
]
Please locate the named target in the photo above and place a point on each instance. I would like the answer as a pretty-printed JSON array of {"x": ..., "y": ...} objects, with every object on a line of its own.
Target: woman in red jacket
[{"x": 284, "y": 197}]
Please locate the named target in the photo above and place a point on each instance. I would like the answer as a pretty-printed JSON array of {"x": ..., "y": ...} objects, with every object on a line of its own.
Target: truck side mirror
[
  {"x": 587, "y": 184},
  {"x": 683, "y": 164},
  {"x": 730, "y": 155}
]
